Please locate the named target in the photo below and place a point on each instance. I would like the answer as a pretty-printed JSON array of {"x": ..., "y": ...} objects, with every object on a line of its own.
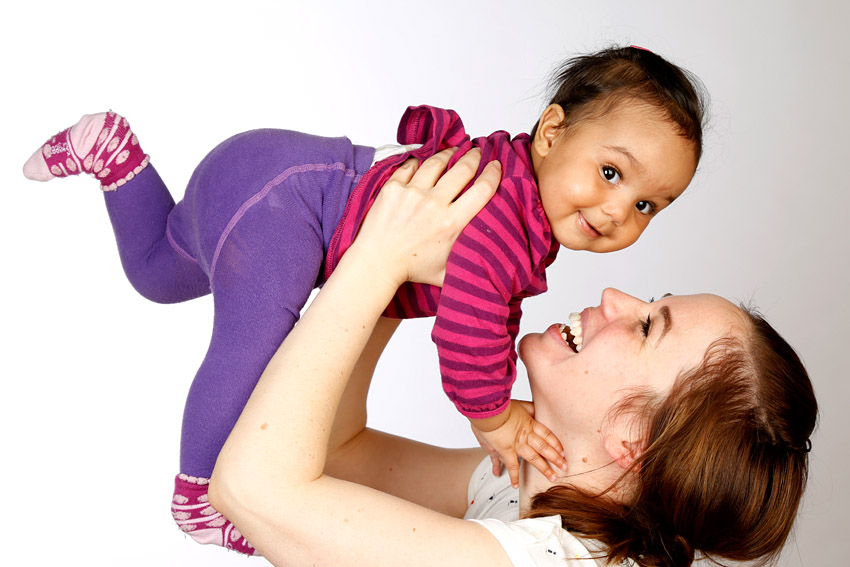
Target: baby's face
[{"x": 602, "y": 181}]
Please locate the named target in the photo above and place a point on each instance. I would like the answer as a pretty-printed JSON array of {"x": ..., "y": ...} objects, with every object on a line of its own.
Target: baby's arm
[
  {"x": 478, "y": 320},
  {"x": 514, "y": 433}
]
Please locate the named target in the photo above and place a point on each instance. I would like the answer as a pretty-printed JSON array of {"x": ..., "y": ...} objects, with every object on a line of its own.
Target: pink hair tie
[{"x": 641, "y": 48}]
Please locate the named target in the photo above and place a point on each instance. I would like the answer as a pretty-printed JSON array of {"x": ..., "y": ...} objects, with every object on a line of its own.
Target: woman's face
[{"x": 628, "y": 345}]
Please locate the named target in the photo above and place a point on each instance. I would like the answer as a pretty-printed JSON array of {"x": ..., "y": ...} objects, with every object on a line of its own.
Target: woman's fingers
[
  {"x": 417, "y": 209},
  {"x": 430, "y": 171},
  {"x": 405, "y": 172},
  {"x": 470, "y": 203},
  {"x": 431, "y": 176},
  {"x": 458, "y": 176}
]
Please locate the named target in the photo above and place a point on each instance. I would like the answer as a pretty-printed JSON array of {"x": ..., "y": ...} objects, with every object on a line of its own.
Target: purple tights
[{"x": 253, "y": 228}]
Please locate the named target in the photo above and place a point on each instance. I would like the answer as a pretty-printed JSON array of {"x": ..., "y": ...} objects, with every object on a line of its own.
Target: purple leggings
[{"x": 253, "y": 228}]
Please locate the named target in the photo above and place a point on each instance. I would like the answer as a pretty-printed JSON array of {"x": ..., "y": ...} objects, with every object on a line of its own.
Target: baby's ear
[{"x": 548, "y": 129}]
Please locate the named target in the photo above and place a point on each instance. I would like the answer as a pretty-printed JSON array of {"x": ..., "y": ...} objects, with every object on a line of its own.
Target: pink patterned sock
[
  {"x": 191, "y": 509},
  {"x": 99, "y": 144}
]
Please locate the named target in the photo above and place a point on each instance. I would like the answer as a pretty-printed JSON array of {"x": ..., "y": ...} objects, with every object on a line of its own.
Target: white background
[{"x": 94, "y": 377}]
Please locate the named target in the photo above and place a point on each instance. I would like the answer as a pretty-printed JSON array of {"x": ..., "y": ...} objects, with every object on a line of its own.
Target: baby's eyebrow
[{"x": 628, "y": 155}]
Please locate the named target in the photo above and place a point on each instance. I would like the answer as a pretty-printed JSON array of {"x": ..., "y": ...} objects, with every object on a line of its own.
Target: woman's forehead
[{"x": 706, "y": 311}]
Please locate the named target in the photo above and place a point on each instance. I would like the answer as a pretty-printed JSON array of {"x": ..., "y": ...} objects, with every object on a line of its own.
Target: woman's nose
[{"x": 615, "y": 302}]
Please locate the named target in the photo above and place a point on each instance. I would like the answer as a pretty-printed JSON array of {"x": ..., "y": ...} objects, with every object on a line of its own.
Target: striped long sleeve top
[{"x": 499, "y": 259}]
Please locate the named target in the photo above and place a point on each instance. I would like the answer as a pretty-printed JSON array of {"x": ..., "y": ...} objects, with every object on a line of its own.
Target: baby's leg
[
  {"x": 263, "y": 278},
  {"x": 137, "y": 200},
  {"x": 263, "y": 267},
  {"x": 154, "y": 264}
]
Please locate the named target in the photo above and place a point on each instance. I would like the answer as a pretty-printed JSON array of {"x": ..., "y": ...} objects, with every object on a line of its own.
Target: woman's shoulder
[
  {"x": 489, "y": 496},
  {"x": 529, "y": 542},
  {"x": 542, "y": 542}
]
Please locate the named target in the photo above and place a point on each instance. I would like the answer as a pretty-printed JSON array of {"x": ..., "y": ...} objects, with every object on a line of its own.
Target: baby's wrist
[{"x": 493, "y": 422}]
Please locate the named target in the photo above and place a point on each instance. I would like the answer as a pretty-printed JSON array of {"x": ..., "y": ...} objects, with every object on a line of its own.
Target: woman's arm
[
  {"x": 434, "y": 477},
  {"x": 283, "y": 433}
]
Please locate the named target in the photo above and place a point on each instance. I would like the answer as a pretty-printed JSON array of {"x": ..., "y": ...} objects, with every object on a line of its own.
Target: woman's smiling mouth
[{"x": 571, "y": 334}]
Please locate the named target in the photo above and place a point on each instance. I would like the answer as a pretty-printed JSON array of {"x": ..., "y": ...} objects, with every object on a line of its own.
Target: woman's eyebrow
[{"x": 668, "y": 322}]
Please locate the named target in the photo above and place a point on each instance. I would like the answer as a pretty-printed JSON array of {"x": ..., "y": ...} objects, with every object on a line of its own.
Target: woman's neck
[{"x": 589, "y": 468}]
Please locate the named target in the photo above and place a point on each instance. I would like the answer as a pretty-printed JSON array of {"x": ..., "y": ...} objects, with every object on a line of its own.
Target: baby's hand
[{"x": 515, "y": 435}]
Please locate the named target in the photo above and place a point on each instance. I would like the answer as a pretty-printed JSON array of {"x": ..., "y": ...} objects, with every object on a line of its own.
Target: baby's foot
[
  {"x": 99, "y": 144},
  {"x": 191, "y": 510}
]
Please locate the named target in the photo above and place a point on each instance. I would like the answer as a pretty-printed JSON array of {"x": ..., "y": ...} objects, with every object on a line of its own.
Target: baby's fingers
[
  {"x": 511, "y": 462},
  {"x": 547, "y": 444},
  {"x": 497, "y": 464},
  {"x": 536, "y": 460}
]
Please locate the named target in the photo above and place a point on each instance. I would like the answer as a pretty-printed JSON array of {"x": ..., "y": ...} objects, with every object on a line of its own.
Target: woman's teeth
[
  {"x": 575, "y": 329},
  {"x": 572, "y": 334}
]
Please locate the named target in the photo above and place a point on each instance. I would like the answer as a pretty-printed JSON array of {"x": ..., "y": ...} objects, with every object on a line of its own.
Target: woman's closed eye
[{"x": 646, "y": 325}]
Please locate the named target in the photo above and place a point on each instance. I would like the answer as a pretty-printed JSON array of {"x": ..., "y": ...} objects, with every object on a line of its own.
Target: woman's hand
[{"x": 418, "y": 215}]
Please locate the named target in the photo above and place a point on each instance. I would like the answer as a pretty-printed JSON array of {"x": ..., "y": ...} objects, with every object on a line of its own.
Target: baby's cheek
[
  {"x": 605, "y": 245},
  {"x": 627, "y": 238}
]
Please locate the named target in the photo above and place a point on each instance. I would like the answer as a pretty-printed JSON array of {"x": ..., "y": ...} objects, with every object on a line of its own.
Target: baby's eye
[
  {"x": 645, "y": 207},
  {"x": 611, "y": 174}
]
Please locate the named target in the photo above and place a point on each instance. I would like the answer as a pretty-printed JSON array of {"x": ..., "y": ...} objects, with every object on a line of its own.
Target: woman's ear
[
  {"x": 549, "y": 127},
  {"x": 622, "y": 448}
]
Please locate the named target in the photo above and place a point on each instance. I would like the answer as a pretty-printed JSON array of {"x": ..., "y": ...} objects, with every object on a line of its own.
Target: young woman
[{"x": 685, "y": 424}]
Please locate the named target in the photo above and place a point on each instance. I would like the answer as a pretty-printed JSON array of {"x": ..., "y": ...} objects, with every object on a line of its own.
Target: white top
[
  {"x": 532, "y": 542},
  {"x": 392, "y": 149},
  {"x": 490, "y": 496}
]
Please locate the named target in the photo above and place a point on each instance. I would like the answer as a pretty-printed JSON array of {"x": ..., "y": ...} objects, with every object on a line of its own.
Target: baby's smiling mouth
[
  {"x": 586, "y": 227},
  {"x": 572, "y": 334}
]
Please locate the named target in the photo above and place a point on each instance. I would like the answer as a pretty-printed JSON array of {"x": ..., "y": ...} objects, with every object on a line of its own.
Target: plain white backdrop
[{"x": 94, "y": 377}]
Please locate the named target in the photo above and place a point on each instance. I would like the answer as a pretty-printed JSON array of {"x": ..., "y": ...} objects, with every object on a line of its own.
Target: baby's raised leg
[
  {"x": 137, "y": 200},
  {"x": 262, "y": 268},
  {"x": 155, "y": 265}
]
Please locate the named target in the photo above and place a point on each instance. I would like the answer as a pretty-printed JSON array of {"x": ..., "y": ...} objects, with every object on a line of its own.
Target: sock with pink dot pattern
[{"x": 102, "y": 145}]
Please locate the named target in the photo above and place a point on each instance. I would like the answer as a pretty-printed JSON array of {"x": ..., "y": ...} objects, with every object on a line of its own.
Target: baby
[{"x": 268, "y": 214}]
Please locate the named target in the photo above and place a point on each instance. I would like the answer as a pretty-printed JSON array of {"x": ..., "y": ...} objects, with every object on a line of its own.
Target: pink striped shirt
[{"x": 499, "y": 259}]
